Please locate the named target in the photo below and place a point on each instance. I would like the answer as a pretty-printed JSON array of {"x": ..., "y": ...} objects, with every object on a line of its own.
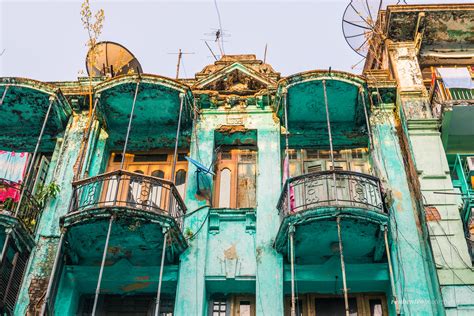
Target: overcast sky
[{"x": 45, "y": 40}]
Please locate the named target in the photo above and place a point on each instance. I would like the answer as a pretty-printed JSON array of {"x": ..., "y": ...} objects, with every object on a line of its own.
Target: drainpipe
[
  {"x": 129, "y": 125},
  {"x": 330, "y": 141},
  {"x": 343, "y": 267},
  {"x": 160, "y": 280}
]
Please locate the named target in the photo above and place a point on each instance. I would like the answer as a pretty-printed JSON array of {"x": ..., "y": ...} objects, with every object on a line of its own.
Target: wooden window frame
[
  {"x": 232, "y": 164},
  {"x": 363, "y": 307}
]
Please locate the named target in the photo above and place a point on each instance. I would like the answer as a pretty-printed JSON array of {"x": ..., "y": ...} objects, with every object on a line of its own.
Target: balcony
[
  {"x": 16, "y": 236},
  {"x": 306, "y": 108},
  {"x": 121, "y": 222},
  {"x": 25, "y": 102},
  {"x": 463, "y": 180},
  {"x": 156, "y": 111},
  {"x": 148, "y": 204},
  {"x": 455, "y": 107},
  {"x": 317, "y": 199}
]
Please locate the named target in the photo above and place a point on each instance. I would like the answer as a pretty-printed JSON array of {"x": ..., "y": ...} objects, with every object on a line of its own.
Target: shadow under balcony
[
  {"x": 143, "y": 208},
  {"x": 317, "y": 200}
]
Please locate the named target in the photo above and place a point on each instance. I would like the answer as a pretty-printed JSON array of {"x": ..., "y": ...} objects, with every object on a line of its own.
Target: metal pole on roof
[
  {"x": 160, "y": 280},
  {"x": 367, "y": 121},
  {"x": 33, "y": 157},
  {"x": 129, "y": 125},
  {"x": 45, "y": 310},
  {"x": 101, "y": 271},
  {"x": 390, "y": 269},
  {"x": 343, "y": 267},
  {"x": 330, "y": 141}
]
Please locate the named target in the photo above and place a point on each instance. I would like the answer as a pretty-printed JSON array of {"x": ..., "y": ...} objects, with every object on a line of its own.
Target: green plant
[
  {"x": 188, "y": 233},
  {"x": 46, "y": 192},
  {"x": 8, "y": 204}
]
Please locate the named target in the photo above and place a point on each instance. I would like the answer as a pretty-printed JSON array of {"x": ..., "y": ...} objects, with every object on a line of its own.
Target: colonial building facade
[{"x": 243, "y": 192}]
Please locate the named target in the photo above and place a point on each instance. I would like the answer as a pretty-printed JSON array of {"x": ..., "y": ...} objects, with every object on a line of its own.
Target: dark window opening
[
  {"x": 149, "y": 157},
  {"x": 133, "y": 305},
  {"x": 334, "y": 306}
]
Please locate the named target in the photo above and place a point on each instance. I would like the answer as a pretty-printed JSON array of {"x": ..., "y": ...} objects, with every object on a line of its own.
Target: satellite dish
[
  {"x": 359, "y": 23},
  {"x": 200, "y": 167},
  {"x": 111, "y": 59}
]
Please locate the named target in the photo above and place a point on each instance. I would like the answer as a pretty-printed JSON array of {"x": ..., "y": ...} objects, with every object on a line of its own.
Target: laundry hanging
[
  {"x": 456, "y": 78},
  {"x": 12, "y": 169},
  {"x": 286, "y": 176}
]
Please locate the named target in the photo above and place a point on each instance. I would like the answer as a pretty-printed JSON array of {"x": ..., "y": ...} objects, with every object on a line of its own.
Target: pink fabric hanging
[
  {"x": 286, "y": 171},
  {"x": 12, "y": 169}
]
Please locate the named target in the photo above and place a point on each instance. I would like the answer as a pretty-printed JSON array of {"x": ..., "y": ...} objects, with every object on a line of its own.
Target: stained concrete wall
[
  {"x": 250, "y": 255},
  {"x": 446, "y": 234},
  {"x": 47, "y": 237}
]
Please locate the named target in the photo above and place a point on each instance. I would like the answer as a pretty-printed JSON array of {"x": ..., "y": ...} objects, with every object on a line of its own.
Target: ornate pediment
[{"x": 235, "y": 78}]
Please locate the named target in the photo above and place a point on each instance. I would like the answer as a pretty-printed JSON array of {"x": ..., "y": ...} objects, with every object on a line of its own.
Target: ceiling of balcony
[
  {"x": 24, "y": 107},
  {"x": 306, "y": 108},
  {"x": 156, "y": 111}
]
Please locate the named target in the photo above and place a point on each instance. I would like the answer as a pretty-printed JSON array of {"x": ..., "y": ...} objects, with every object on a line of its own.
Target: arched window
[
  {"x": 156, "y": 190},
  {"x": 225, "y": 187},
  {"x": 135, "y": 189},
  {"x": 180, "y": 181}
]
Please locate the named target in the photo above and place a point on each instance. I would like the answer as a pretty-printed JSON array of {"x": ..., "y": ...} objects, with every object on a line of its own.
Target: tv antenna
[
  {"x": 360, "y": 24},
  {"x": 217, "y": 36},
  {"x": 180, "y": 56},
  {"x": 210, "y": 49},
  {"x": 111, "y": 59}
]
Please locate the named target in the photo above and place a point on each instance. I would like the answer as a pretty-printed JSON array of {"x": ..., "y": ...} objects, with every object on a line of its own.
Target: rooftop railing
[
  {"x": 331, "y": 188},
  {"x": 124, "y": 189},
  {"x": 439, "y": 92},
  {"x": 29, "y": 210}
]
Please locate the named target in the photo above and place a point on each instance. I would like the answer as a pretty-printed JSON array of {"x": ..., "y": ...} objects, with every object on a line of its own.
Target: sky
[{"x": 45, "y": 40}]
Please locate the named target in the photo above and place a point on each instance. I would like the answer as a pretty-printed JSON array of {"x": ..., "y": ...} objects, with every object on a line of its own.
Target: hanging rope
[
  {"x": 129, "y": 125},
  {"x": 330, "y": 140}
]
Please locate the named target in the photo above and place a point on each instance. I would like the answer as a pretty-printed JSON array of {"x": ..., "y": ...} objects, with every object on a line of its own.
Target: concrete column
[
  {"x": 269, "y": 274},
  {"x": 191, "y": 291},
  {"x": 41, "y": 260},
  {"x": 411, "y": 260},
  {"x": 444, "y": 224}
]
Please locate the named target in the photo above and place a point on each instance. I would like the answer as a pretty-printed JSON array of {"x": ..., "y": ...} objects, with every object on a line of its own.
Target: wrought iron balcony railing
[
  {"x": 331, "y": 188},
  {"x": 124, "y": 189},
  {"x": 29, "y": 210}
]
